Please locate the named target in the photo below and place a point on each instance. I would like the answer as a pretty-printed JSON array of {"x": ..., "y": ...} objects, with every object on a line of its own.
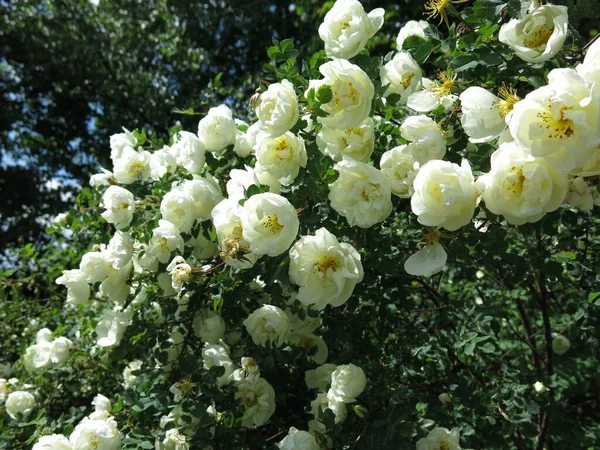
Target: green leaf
[{"x": 324, "y": 94}]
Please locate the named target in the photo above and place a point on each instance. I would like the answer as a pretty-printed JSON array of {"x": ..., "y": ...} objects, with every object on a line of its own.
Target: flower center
[
  {"x": 515, "y": 180},
  {"x": 508, "y": 100},
  {"x": 250, "y": 399},
  {"x": 539, "y": 36},
  {"x": 407, "y": 79},
  {"x": 444, "y": 445},
  {"x": 326, "y": 263},
  {"x": 558, "y": 126},
  {"x": 270, "y": 222}
]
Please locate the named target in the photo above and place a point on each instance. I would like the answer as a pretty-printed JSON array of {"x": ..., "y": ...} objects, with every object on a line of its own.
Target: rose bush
[{"x": 380, "y": 259}]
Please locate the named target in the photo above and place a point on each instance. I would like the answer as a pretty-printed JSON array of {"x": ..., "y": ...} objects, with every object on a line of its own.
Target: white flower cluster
[
  {"x": 47, "y": 352},
  {"x": 99, "y": 431}
]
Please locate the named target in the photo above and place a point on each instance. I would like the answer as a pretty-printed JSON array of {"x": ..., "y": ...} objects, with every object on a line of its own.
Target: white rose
[
  {"x": 205, "y": 192},
  {"x": 426, "y": 137},
  {"x": 299, "y": 440},
  {"x": 520, "y": 187},
  {"x": 245, "y": 142},
  {"x": 259, "y": 398},
  {"x": 203, "y": 248},
  {"x": 484, "y": 116},
  {"x": 119, "y": 204},
  {"x": 399, "y": 165},
  {"x": 218, "y": 356},
  {"x": 412, "y": 28},
  {"x": 19, "y": 404},
  {"x": 119, "y": 142},
  {"x": 53, "y": 442},
  {"x": 347, "y": 382},
  {"x": 94, "y": 265},
  {"x": 241, "y": 180},
  {"x": 352, "y": 94},
  {"x": 440, "y": 438},
  {"x": 402, "y": 74},
  {"x": 282, "y": 157},
  {"x": 346, "y": 28},
  {"x": 162, "y": 162},
  {"x": 539, "y": 35},
  {"x": 217, "y": 129},
  {"x": 112, "y": 326},
  {"x": 189, "y": 151},
  {"x": 559, "y": 122},
  {"x": 329, "y": 401},
  {"x": 96, "y": 435},
  {"x": 326, "y": 270},
  {"x": 434, "y": 93},
  {"x": 180, "y": 271},
  {"x": 580, "y": 194},
  {"x": 235, "y": 250},
  {"x": 129, "y": 378},
  {"x": 269, "y": 224},
  {"x": 178, "y": 208},
  {"x": 101, "y": 179},
  {"x": 362, "y": 194},
  {"x": 268, "y": 323},
  {"x": 320, "y": 377},
  {"x": 208, "y": 326},
  {"x": 119, "y": 250},
  {"x": 277, "y": 108},
  {"x": 561, "y": 344},
  {"x": 445, "y": 194},
  {"x": 60, "y": 350},
  {"x": 4, "y": 387},
  {"x": 38, "y": 357},
  {"x": 173, "y": 440},
  {"x": 589, "y": 70},
  {"x": 165, "y": 240},
  {"x": 426, "y": 262},
  {"x": 131, "y": 166},
  {"x": 78, "y": 290},
  {"x": 115, "y": 286},
  {"x": 357, "y": 142}
]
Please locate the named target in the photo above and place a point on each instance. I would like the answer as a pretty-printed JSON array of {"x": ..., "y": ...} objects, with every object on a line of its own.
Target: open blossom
[
  {"x": 259, "y": 398},
  {"x": 235, "y": 249},
  {"x": 445, "y": 194},
  {"x": 162, "y": 162},
  {"x": 245, "y": 142},
  {"x": 189, "y": 151},
  {"x": 129, "y": 378},
  {"x": 412, "y": 28},
  {"x": 132, "y": 165},
  {"x": 299, "y": 440},
  {"x": 356, "y": 142},
  {"x": 400, "y": 166},
  {"x": 119, "y": 250},
  {"x": 320, "y": 377},
  {"x": 205, "y": 193},
  {"x": 362, "y": 194},
  {"x": 326, "y": 270},
  {"x": 539, "y": 35},
  {"x": 173, "y": 440},
  {"x": 165, "y": 240},
  {"x": 440, "y": 438},
  {"x": 94, "y": 265},
  {"x": 241, "y": 180},
  {"x": 559, "y": 121},
  {"x": 268, "y": 323},
  {"x": 352, "y": 93},
  {"x": 217, "y": 129},
  {"x": 426, "y": 138},
  {"x": 282, "y": 157},
  {"x": 203, "y": 248},
  {"x": 120, "y": 142},
  {"x": 178, "y": 207},
  {"x": 19, "y": 403},
  {"x": 78, "y": 290},
  {"x": 434, "y": 93},
  {"x": 270, "y": 224},
  {"x": 47, "y": 351},
  {"x": 348, "y": 382},
  {"x": 277, "y": 108},
  {"x": 402, "y": 74},
  {"x": 53, "y": 442},
  {"x": 580, "y": 194},
  {"x": 485, "y": 116},
  {"x": 520, "y": 187},
  {"x": 329, "y": 401},
  {"x": 96, "y": 434},
  {"x": 347, "y": 28},
  {"x": 112, "y": 326},
  {"x": 561, "y": 344},
  {"x": 119, "y": 204}
]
